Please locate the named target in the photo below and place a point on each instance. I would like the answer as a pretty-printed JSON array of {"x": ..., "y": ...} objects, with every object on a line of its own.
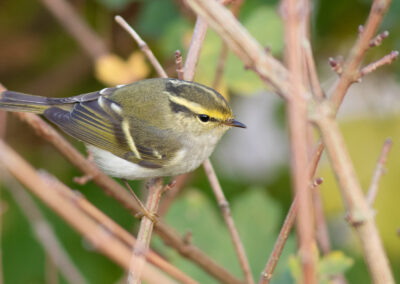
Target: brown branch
[
  {"x": 378, "y": 172},
  {"x": 386, "y": 60},
  {"x": 94, "y": 232},
  {"x": 297, "y": 116},
  {"x": 226, "y": 213},
  {"x": 377, "y": 41},
  {"x": 196, "y": 44},
  {"x": 179, "y": 64},
  {"x": 80, "y": 201},
  {"x": 242, "y": 43},
  {"x": 155, "y": 190},
  {"x": 142, "y": 45},
  {"x": 280, "y": 243},
  {"x": 360, "y": 215},
  {"x": 352, "y": 64},
  {"x": 89, "y": 41},
  {"x": 43, "y": 231}
]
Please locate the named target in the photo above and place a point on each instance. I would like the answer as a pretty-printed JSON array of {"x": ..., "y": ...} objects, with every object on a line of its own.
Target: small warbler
[{"x": 151, "y": 128}]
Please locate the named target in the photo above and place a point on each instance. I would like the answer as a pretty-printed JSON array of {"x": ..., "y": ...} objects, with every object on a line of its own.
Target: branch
[
  {"x": 105, "y": 242},
  {"x": 226, "y": 213},
  {"x": 143, "y": 46},
  {"x": 297, "y": 117},
  {"x": 378, "y": 172},
  {"x": 138, "y": 260},
  {"x": 352, "y": 64},
  {"x": 242, "y": 44},
  {"x": 360, "y": 215},
  {"x": 386, "y": 60}
]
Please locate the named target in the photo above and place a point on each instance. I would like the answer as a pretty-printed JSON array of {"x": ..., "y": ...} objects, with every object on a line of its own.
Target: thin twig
[
  {"x": 138, "y": 260},
  {"x": 312, "y": 70},
  {"x": 378, "y": 172},
  {"x": 179, "y": 64},
  {"x": 280, "y": 243},
  {"x": 297, "y": 116},
  {"x": 199, "y": 33},
  {"x": 352, "y": 64},
  {"x": 386, "y": 60},
  {"x": 142, "y": 45},
  {"x": 275, "y": 255},
  {"x": 74, "y": 24},
  {"x": 224, "y": 206},
  {"x": 43, "y": 230}
]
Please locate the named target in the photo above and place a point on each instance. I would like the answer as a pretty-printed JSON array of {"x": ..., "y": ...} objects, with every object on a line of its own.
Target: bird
[{"x": 150, "y": 128}]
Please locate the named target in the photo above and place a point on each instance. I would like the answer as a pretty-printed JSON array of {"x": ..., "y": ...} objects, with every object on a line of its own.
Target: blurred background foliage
[{"x": 38, "y": 56}]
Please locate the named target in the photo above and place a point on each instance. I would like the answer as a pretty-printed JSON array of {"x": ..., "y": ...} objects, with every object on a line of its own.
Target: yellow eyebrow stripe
[
  {"x": 196, "y": 108},
  {"x": 129, "y": 139}
]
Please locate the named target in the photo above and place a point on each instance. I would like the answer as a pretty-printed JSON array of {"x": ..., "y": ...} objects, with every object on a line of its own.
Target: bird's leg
[{"x": 144, "y": 212}]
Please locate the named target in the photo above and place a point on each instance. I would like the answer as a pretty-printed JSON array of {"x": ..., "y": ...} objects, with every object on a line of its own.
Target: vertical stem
[
  {"x": 297, "y": 116},
  {"x": 226, "y": 213},
  {"x": 360, "y": 215},
  {"x": 138, "y": 260}
]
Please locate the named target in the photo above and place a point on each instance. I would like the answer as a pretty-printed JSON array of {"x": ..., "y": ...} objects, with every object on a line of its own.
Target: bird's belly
[{"x": 187, "y": 159}]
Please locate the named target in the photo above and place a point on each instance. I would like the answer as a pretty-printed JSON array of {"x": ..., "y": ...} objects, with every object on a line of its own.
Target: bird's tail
[{"x": 14, "y": 101}]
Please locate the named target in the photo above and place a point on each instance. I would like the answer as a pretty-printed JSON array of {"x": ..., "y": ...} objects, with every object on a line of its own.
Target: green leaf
[{"x": 333, "y": 263}]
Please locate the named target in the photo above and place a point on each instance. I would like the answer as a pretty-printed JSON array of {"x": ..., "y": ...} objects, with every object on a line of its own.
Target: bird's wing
[{"x": 99, "y": 121}]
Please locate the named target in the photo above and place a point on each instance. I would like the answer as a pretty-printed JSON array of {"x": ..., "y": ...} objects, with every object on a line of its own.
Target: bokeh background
[{"x": 38, "y": 56}]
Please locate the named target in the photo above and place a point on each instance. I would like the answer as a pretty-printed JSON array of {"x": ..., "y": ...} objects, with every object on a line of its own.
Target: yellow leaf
[{"x": 113, "y": 70}]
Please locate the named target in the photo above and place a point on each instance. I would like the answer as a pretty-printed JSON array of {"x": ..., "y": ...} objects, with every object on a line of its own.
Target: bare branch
[
  {"x": 242, "y": 44},
  {"x": 143, "y": 46},
  {"x": 280, "y": 243},
  {"x": 359, "y": 212},
  {"x": 224, "y": 206},
  {"x": 138, "y": 260},
  {"x": 377, "y": 41},
  {"x": 179, "y": 64},
  {"x": 352, "y": 64},
  {"x": 196, "y": 44},
  {"x": 386, "y": 60},
  {"x": 297, "y": 116},
  {"x": 378, "y": 172}
]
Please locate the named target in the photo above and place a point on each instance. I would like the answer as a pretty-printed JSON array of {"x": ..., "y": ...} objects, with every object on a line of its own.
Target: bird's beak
[{"x": 234, "y": 123}]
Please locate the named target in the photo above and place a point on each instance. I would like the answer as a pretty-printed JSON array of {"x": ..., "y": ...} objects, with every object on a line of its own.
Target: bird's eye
[{"x": 204, "y": 117}]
